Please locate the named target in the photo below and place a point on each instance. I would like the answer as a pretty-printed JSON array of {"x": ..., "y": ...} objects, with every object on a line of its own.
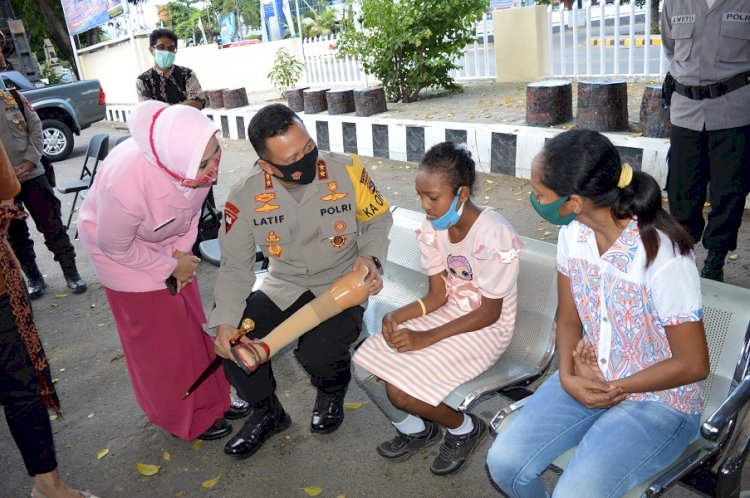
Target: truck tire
[{"x": 58, "y": 139}]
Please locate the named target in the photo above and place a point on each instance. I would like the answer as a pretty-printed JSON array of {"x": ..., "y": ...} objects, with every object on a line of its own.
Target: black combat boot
[
  {"x": 713, "y": 268},
  {"x": 36, "y": 280},
  {"x": 76, "y": 283}
]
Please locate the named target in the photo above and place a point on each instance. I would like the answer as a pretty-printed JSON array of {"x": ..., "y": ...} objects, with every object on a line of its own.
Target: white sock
[
  {"x": 410, "y": 425},
  {"x": 465, "y": 428}
]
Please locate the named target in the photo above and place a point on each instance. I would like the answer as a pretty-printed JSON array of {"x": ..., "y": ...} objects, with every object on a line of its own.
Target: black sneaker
[
  {"x": 328, "y": 413},
  {"x": 403, "y": 445},
  {"x": 456, "y": 450},
  {"x": 713, "y": 268}
]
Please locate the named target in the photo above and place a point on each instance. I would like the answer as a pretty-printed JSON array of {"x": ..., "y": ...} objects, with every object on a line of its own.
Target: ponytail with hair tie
[{"x": 626, "y": 175}]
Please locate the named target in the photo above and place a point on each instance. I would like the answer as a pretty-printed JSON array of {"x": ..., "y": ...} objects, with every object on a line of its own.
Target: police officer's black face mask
[{"x": 301, "y": 172}]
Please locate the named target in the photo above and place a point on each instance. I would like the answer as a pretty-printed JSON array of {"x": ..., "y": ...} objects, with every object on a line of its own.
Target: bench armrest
[
  {"x": 505, "y": 412},
  {"x": 717, "y": 422}
]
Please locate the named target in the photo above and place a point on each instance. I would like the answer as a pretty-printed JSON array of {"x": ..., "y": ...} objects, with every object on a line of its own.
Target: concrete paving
[{"x": 100, "y": 412}]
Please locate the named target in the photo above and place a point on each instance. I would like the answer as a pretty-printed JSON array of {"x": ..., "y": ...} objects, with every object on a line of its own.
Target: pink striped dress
[{"x": 484, "y": 263}]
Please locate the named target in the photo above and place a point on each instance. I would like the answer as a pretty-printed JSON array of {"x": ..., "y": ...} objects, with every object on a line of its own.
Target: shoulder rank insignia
[
  {"x": 267, "y": 181},
  {"x": 333, "y": 196},
  {"x": 322, "y": 170},
  {"x": 266, "y": 199}
]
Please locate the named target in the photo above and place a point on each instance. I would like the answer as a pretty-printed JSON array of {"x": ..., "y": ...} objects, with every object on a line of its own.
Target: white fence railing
[
  {"x": 604, "y": 40},
  {"x": 323, "y": 64}
]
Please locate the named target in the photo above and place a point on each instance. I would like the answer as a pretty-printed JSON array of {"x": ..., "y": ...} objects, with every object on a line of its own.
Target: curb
[
  {"x": 638, "y": 41},
  {"x": 496, "y": 148}
]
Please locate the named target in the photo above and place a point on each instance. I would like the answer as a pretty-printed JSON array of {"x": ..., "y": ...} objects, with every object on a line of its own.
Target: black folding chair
[{"x": 96, "y": 152}]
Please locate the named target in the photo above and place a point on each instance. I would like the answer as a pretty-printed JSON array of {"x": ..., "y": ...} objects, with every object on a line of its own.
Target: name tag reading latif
[{"x": 164, "y": 224}]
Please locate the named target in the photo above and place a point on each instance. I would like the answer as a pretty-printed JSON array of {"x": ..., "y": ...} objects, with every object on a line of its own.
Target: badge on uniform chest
[{"x": 265, "y": 199}]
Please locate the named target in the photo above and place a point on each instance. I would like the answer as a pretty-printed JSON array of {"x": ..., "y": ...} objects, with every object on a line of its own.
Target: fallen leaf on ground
[
  {"x": 353, "y": 406},
  {"x": 197, "y": 444},
  {"x": 147, "y": 469},
  {"x": 53, "y": 417},
  {"x": 180, "y": 493},
  {"x": 62, "y": 370},
  {"x": 166, "y": 456},
  {"x": 312, "y": 490},
  {"x": 61, "y": 295},
  {"x": 733, "y": 257},
  {"x": 211, "y": 482},
  {"x": 102, "y": 453},
  {"x": 91, "y": 415},
  {"x": 55, "y": 380}
]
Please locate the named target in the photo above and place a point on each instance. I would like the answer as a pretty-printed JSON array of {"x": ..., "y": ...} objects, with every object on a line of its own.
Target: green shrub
[
  {"x": 412, "y": 44},
  {"x": 286, "y": 72}
]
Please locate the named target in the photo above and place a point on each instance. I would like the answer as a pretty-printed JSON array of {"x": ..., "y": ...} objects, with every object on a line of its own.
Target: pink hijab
[{"x": 172, "y": 138}]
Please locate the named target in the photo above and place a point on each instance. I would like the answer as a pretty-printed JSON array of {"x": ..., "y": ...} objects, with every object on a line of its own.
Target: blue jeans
[{"x": 618, "y": 448}]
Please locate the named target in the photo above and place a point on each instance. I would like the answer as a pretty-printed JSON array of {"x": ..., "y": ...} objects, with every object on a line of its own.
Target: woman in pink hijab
[{"x": 137, "y": 225}]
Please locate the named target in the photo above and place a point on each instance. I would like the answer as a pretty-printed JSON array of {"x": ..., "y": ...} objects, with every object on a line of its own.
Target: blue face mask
[
  {"x": 551, "y": 211},
  {"x": 451, "y": 216},
  {"x": 164, "y": 59}
]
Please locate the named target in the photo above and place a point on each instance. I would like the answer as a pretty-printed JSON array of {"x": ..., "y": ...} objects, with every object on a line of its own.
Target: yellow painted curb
[{"x": 625, "y": 41}]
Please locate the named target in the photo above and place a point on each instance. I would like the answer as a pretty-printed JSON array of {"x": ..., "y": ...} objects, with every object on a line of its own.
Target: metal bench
[
  {"x": 712, "y": 464},
  {"x": 531, "y": 350}
]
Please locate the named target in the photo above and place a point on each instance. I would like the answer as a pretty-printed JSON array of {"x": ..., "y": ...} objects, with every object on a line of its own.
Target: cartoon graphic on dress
[{"x": 459, "y": 266}]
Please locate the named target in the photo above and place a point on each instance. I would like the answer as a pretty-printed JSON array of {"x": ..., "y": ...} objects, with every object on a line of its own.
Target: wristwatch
[{"x": 378, "y": 266}]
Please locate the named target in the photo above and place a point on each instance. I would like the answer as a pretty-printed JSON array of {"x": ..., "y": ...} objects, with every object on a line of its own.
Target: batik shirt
[
  {"x": 181, "y": 84},
  {"x": 624, "y": 305}
]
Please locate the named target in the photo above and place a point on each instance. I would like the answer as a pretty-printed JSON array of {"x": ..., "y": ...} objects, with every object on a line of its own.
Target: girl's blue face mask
[
  {"x": 551, "y": 211},
  {"x": 451, "y": 216}
]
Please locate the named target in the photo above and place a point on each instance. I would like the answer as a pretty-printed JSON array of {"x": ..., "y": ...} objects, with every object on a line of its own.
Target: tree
[
  {"x": 44, "y": 19},
  {"x": 412, "y": 44}
]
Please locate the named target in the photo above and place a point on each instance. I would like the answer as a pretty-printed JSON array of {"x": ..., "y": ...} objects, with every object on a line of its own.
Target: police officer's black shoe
[
  {"x": 264, "y": 421},
  {"x": 403, "y": 445},
  {"x": 713, "y": 268},
  {"x": 328, "y": 413},
  {"x": 36, "y": 287},
  {"x": 76, "y": 284},
  {"x": 218, "y": 430},
  {"x": 238, "y": 409},
  {"x": 36, "y": 283},
  {"x": 456, "y": 450}
]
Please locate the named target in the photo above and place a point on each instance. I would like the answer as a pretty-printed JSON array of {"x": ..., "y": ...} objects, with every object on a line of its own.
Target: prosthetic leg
[{"x": 350, "y": 290}]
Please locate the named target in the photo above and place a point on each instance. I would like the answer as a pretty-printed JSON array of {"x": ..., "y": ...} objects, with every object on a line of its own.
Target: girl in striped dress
[{"x": 460, "y": 328}]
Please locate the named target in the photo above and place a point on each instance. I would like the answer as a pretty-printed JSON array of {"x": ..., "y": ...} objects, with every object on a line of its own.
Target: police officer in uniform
[
  {"x": 21, "y": 133},
  {"x": 316, "y": 216},
  {"x": 708, "y": 42}
]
